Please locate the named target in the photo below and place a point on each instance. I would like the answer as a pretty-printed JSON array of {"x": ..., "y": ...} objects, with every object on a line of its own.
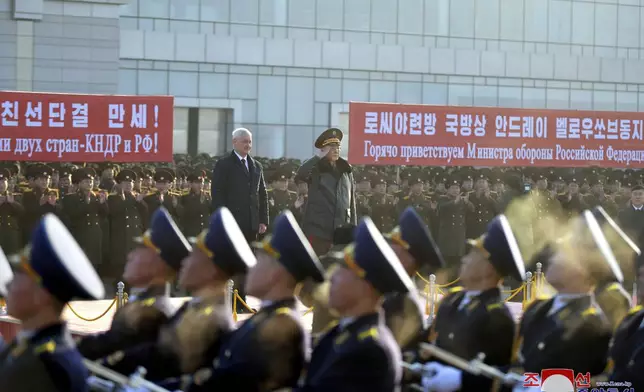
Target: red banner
[
  {"x": 48, "y": 127},
  {"x": 396, "y": 134}
]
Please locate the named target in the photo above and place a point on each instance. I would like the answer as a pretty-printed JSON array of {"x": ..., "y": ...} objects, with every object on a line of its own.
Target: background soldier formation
[{"x": 106, "y": 205}]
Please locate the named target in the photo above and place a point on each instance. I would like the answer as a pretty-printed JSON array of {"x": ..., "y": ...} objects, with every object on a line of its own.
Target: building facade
[{"x": 287, "y": 69}]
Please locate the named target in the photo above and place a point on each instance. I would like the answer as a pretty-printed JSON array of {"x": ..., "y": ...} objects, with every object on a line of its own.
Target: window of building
[
  {"x": 180, "y": 134},
  {"x": 212, "y": 131}
]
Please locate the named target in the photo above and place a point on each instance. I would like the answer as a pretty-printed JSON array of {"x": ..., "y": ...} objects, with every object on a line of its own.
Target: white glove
[{"x": 441, "y": 378}]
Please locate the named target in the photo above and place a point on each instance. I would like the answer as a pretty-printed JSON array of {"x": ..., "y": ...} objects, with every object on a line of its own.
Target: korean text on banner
[
  {"x": 382, "y": 133},
  {"x": 47, "y": 127}
]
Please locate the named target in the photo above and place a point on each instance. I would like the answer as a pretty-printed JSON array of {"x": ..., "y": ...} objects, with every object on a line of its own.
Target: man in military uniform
[
  {"x": 359, "y": 353},
  {"x": 485, "y": 206},
  {"x": 417, "y": 199},
  {"x": 474, "y": 319},
  {"x": 11, "y": 212},
  {"x": 363, "y": 194},
  {"x": 162, "y": 197},
  {"x": 189, "y": 340},
  {"x": 52, "y": 271},
  {"x": 597, "y": 197},
  {"x": 127, "y": 213},
  {"x": 108, "y": 172},
  {"x": 572, "y": 202},
  {"x": 37, "y": 201},
  {"x": 280, "y": 198},
  {"x": 451, "y": 214},
  {"x": 383, "y": 207},
  {"x": 196, "y": 206},
  {"x": 300, "y": 202},
  {"x": 627, "y": 341},
  {"x": 270, "y": 349},
  {"x": 84, "y": 211},
  {"x": 148, "y": 268},
  {"x": 415, "y": 248},
  {"x": 569, "y": 330}
]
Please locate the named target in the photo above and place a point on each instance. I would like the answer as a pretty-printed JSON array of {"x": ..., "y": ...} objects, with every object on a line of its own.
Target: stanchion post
[
  {"x": 539, "y": 278},
  {"x": 432, "y": 297},
  {"x": 528, "y": 286},
  {"x": 229, "y": 293},
  {"x": 120, "y": 288}
]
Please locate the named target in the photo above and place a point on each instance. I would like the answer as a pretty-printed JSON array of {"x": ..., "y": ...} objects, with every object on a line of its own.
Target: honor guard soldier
[
  {"x": 597, "y": 196},
  {"x": 83, "y": 211},
  {"x": 162, "y": 197},
  {"x": 52, "y": 271},
  {"x": 359, "y": 353},
  {"x": 609, "y": 293},
  {"x": 196, "y": 206},
  {"x": 270, "y": 349},
  {"x": 474, "y": 319},
  {"x": 127, "y": 222},
  {"x": 363, "y": 195},
  {"x": 108, "y": 173},
  {"x": 451, "y": 215},
  {"x": 149, "y": 267},
  {"x": 383, "y": 207},
  {"x": 280, "y": 198},
  {"x": 485, "y": 206},
  {"x": 195, "y": 332},
  {"x": 569, "y": 331},
  {"x": 65, "y": 182},
  {"x": 415, "y": 248},
  {"x": 417, "y": 199},
  {"x": 625, "y": 362},
  {"x": 38, "y": 200},
  {"x": 572, "y": 201},
  {"x": 11, "y": 212}
]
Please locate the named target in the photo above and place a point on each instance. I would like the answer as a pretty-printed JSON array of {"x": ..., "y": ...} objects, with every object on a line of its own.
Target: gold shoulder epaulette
[
  {"x": 269, "y": 190},
  {"x": 635, "y": 309},
  {"x": 368, "y": 333},
  {"x": 47, "y": 347},
  {"x": 455, "y": 289},
  {"x": 591, "y": 311},
  {"x": 613, "y": 286},
  {"x": 283, "y": 310},
  {"x": 149, "y": 301},
  {"x": 406, "y": 197},
  {"x": 491, "y": 307}
]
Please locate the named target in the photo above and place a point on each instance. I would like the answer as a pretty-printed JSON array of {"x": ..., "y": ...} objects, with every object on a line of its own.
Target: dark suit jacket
[{"x": 243, "y": 193}]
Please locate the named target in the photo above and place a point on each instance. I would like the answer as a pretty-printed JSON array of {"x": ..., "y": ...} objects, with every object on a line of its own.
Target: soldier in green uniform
[
  {"x": 571, "y": 201},
  {"x": 597, "y": 197},
  {"x": 417, "y": 199},
  {"x": 623, "y": 197},
  {"x": 485, "y": 206},
  {"x": 280, "y": 198},
  {"x": 196, "y": 206},
  {"x": 84, "y": 210},
  {"x": 11, "y": 211},
  {"x": 127, "y": 213},
  {"x": 363, "y": 193},
  {"x": 451, "y": 214},
  {"x": 383, "y": 207},
  {"x": 38, "y": 200},
  {"x": 162, "y": 197}
]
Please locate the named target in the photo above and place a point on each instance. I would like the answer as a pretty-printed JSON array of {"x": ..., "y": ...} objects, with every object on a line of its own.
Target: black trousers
[{"x": 240, "y": 280}]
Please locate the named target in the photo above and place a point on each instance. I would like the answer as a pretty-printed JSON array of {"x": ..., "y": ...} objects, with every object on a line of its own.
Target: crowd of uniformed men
[
  {"x": 106, "y": 205},
  {"x": 368, "y": 272}
]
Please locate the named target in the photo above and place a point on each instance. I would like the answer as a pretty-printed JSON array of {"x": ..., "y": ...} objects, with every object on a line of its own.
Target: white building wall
[{"x": 288, "y": 68}]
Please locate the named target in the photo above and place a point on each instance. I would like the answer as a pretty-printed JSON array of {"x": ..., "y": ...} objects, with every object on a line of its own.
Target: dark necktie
[{"x": 243, "y": 161}]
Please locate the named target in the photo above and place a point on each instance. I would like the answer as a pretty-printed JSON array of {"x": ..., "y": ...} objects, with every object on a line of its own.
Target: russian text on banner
[
  {"x": 386, "y": 133},
  {"x": 48, "y": 127}
]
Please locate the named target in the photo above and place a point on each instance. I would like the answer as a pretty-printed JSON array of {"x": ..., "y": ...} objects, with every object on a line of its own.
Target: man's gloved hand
[{"x": 441, "y": 378}]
